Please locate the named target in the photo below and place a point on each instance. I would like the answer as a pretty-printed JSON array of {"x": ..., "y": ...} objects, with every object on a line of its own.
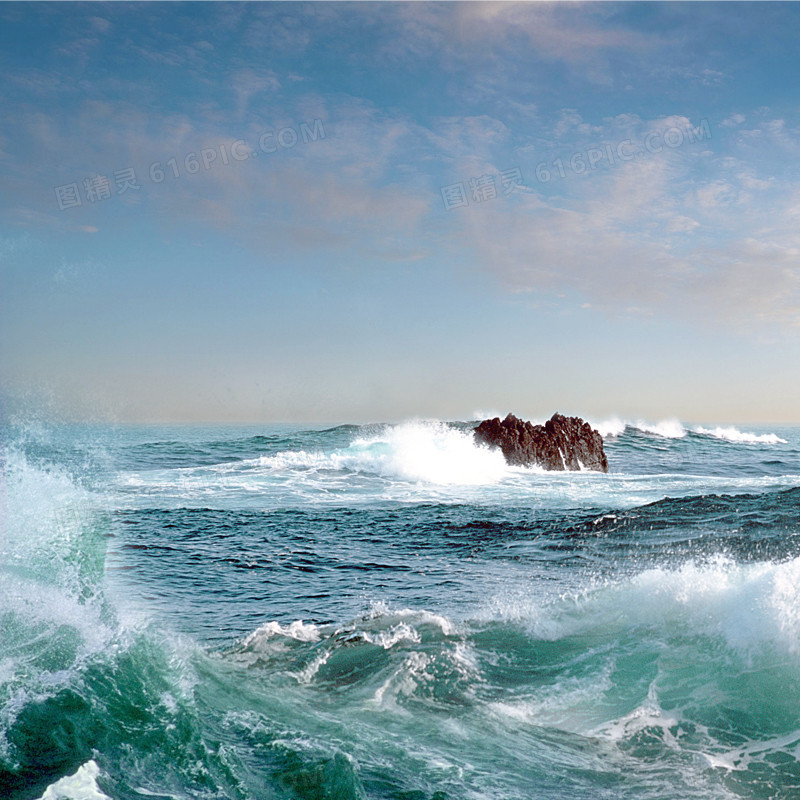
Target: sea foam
[
  {"x": 418, "y": 451},
  {"x": 748, "y": 606},
  {"x": 673, "y": 428},
  {"x": 667, "y": 429},
  {"x": 732, "y": 434},
  {"x": 80, "y": 786}
]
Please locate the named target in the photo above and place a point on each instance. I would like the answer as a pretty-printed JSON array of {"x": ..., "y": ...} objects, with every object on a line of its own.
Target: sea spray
[{"x": 428, "y": 452}]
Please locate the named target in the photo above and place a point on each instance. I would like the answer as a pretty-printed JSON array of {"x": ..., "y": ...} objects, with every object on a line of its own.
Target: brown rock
[{"x": 562, "y": 443}]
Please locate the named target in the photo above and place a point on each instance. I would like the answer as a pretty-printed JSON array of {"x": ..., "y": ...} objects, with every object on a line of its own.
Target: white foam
[
  {"x": 297, "y": 630},
  {"x": 45, "y": 511},
  {"x": 418, "y": 451},
  {"x": 740, "y": 758},
  {"x": 749, "y": 606},
  {"x": 479, "y": 416},
  {"x": 403, "y": 682},
  {"x": 673, "y": 428},
  {"x": 389, "y": 638},
  {"x": 610, "y": 427},
  {"x": 306, "y": 675},
  {"x": 647, "y": 715},
  {"x": 80, "y": 786},
  {"x": 667, "y": 428},
  {"x": 380, "y": 611},
  {"x": 41, "y": 585},
  {"x": 732, "y": 434}
]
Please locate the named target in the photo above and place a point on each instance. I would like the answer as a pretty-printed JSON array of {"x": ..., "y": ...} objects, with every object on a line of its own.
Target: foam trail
[{"x": 732, "y": 434}]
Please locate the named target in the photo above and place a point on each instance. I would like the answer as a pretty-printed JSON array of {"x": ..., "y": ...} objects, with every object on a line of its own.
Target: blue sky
[{"x": 332, "y": 211}]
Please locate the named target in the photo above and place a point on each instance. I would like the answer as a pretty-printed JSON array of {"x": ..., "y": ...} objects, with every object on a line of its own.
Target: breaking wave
[
  {"x": 673, "y": 428},
  {"x": 732, "y": 434},
  {"x": 433, "y": 452}
]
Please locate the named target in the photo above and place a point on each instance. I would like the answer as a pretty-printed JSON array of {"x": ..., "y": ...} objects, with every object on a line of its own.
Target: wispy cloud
[
  {"x": 656, "y": 233},
  {"x": 649, "y": 236}
]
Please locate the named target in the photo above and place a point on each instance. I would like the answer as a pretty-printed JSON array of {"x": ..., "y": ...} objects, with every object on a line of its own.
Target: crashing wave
[
  {"x": 431, "y": 452},
  {"x": 731, "y": 434}
]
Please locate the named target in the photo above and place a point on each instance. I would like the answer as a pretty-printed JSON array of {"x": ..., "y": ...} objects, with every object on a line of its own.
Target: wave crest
[
  {"x": 673, "y": 428},
  {"x": 732, "y": 434},
  {"x": 430, "y": 452},
  {"x": 749, "y": 606}
]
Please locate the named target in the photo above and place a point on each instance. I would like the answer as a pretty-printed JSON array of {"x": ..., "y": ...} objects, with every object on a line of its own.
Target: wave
[
  {"x": 667, "y": 666},
  {"x": 756, "y": 521},
  {"x": 89, "y": 708},
  {"x": 614, "y": 427},
  {"x": 434, "y": 461},
  {"x": 430, "y": 452},
  {"x": 389, "y": 658},
  {"x": 666, "y": 429},
  {"x": 381, "y": 625},
  {"x": 54, "y": 624},
  {"x": 608, "y": 428},
  {"x": 732, "y": 434},
  {"x": 716, "y": 608},
  {"x": 751, "y": 607},
  {"x": 673, "y": 428},
  {"x": 699, "y": 662}
]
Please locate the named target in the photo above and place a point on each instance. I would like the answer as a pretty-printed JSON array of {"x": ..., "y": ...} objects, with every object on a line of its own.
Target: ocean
[{"x": 390, "y": 611}]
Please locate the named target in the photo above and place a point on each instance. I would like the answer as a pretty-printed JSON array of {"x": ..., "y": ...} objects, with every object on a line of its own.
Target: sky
[{"x": 376, "y": 211}]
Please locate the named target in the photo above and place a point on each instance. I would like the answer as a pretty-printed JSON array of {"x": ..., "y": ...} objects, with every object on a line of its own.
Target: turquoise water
[{"x": 388, "y": 611}]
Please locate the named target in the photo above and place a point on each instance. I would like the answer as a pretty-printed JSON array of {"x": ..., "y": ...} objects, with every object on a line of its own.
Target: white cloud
[
  {"x": 750, "y": 181},
  {"x": 553, "y": 31},
  {"x": 733, "y": 121},
  {"x": 716, "y": 193},
  {"x": 681, "y": 224},
  {"x": 571, "y": 122},
  {"x": 646, "y": 234},
  {"x": 249, "y": 83},
  {"x": 478, "y": 33},
  {"x": 100, "y": 24}
]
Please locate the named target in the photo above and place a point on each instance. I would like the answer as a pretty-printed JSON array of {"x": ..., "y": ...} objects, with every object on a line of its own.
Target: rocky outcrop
[{"x": 562, "y": 443}]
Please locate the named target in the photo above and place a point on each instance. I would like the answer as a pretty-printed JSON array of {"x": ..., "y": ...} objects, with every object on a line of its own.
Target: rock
[{"x": 562, "y": 443}]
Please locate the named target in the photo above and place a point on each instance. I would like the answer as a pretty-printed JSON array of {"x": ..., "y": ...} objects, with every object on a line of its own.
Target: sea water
[{"x": 390, "y": 611}]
